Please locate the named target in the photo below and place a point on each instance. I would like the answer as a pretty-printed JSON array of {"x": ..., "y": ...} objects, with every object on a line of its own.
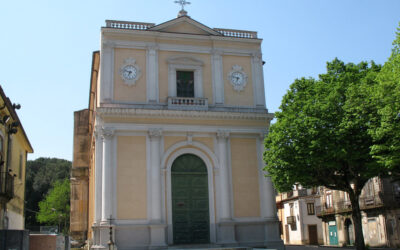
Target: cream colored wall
[
  {"x": 131, "y": 177},
  {"x": 16, "y": 205},
  {"x": 123, "y": 92},
  {"x": 232, "y": 97},
  {"x": 163, "y": 56},
  {"x": 91, "y": 205},
  {"x": 245, "y": 177}
]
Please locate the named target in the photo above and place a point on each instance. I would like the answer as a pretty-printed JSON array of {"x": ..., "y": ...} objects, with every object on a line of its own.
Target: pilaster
[
  {"x": 258, "y": 80},
  {"x": 217, "y": 77},
  {"x": 107, "y": 72},
  {"x": 226, "y": 227},
  {"x": 98, "y": 173},
  {"x": 152, "y": 74},
  {"x": 106, "y": 196}
]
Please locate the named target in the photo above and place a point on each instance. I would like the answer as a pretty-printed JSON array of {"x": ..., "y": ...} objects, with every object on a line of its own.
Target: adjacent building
[
  {"x": 380, "y": 205},
  {"x": 170, "y": 148},
  {"x": 14, "y": 147},
  {"x": 296, "y": 212}
]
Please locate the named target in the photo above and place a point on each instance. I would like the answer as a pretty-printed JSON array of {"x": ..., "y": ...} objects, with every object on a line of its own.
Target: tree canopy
[
  {"x": 386, "y": 148},
  {"x": 55, "y": 208},
  {"x": 322, "y": 135},
  {"x": 40, "y": 176}
]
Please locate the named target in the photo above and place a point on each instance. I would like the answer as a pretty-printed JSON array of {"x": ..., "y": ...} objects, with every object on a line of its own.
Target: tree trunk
[{"x": 356, "y": 215}]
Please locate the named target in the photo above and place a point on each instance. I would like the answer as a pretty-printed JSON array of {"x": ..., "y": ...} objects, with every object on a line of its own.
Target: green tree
[
  {"x": 40, "y": 176},
  {"x": 55, "y": 208},
  {"x": 321, "y": 135},
  {"x": 386, "y": 148}
]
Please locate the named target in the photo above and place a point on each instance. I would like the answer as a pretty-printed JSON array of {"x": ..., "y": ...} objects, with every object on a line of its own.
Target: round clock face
[
  {"x": 129, "y": 72},
  {"x": 237, "y": 78}
]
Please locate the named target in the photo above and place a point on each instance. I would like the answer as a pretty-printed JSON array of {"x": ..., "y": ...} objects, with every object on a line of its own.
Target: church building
[{"x": 170, "y": 150}]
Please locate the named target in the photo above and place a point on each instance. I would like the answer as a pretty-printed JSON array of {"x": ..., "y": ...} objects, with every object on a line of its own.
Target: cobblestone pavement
[{"x": 292, "y": 247}]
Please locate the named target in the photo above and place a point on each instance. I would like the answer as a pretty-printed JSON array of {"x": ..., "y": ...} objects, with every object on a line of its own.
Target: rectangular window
[
  {"x": 310, "y": 208},
  {"x": 185, "y": 83},
  {"x": 328, "y": 199}
]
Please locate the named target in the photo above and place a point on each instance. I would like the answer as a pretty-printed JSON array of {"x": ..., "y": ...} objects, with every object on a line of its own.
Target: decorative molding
[
  {"x": 152, "y": 113},
  {"x": 238, "y": 78},
  {"x": 155, "y": 133},
  {"x": 185, "y": 60},
  {"x": 107, "y": 133},
  {"x": 222, "y": 134}
]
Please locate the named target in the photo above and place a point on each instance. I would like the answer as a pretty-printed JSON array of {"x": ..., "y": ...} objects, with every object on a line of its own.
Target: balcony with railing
[
  {"x": 6, "y": 186},
  {"x": 188, "y": 103},
  {"x": 291, "y": 219},
  {"x": 294, "y": 194}
]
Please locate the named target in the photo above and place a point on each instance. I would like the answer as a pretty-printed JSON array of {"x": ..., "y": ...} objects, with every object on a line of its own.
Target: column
[
  {"x": 225, "y": 209},
  {"x": 226, "y": 227},
  {"x": 106, "y": 72},
  {"x": 152, "y": 74},
  {"x": 157, "y": 229},
  {"x": 98, "y": 173},
  {"x": 267, "y": 191},
  {"x": 217, "y": 77},
  {"x": 155, "y": 175},
  {"x": 258, "y": 79},
  {"x": 106, "y": 176}
]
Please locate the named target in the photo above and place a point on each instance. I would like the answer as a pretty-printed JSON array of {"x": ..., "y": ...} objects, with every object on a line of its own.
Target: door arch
[{"x": 190, "y": 200}]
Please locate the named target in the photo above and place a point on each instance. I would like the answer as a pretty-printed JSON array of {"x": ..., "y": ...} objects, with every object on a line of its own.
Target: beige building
[
  {"x": 14, "y": 147},
  {"x": 380, "y": 205},
  {"x": 171, "y": 145},
  {"x": 298, "y": 220}
]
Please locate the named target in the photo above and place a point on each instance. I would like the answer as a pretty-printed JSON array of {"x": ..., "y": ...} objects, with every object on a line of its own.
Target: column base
[
  {"x": 158, "y": 236},
  {"x": 226, "y": 233}
]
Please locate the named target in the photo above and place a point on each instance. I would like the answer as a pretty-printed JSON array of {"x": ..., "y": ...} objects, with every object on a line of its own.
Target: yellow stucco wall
[
  {"x": 131, "y": 177},
  {"x": 245, "y": 177},
  {"x": 171, "y": 140},
  {"x": 123, "y": 92},
  {"x": 208, "y": 141},
  {"x": 163, "y": 56},
  {"x": 232, "y": 97}
]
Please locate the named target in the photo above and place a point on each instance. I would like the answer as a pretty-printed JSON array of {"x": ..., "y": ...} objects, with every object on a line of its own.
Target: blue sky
[{"x": 46, "y": 48}]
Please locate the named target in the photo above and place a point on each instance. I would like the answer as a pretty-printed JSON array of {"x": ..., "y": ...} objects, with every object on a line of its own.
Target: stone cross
[{"x": 182, "y": 2}]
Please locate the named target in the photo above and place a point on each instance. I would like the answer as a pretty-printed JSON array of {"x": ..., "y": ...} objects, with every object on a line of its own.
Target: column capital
[
  {"x": 108, "y": 44},
  {"x": 152, "y": 47},
  {"x": 216, "y": 52},
  {"x": 107, "y": 133},
  {"x": 263, "y": 135},
  {"x": 257, "y": 56},
  {"x": 98, "y": 132},
  {"x": 222, "y": 134},
  {"x": 155, "y": 133}
]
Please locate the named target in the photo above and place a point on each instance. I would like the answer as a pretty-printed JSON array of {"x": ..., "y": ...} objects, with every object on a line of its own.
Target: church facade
[{"x": 170, "y": 148}]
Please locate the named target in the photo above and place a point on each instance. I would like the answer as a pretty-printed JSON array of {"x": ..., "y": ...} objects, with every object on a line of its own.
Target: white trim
[
  {"x": 148, "y": 178},
  {"x": 182, "y": 48},
  {"x": 114, "y": 145},
  {"x": 185, "y": 62},
  {"x": 152, "y": 88},
  {"x": 210, "y": 173},
  {"x": 126, "y": 112},
  {"x": 107, "y": 72},
  {"x": 217, "y": 77}
]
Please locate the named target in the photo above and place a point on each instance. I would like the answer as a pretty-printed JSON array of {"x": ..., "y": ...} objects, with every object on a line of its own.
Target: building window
[
  {"x": 185, "y": 77},
  {"x": 185, "y": 83},
  {"x": 310, "y": 208},
  {"x": 291, "y": 209},
  {"x": 328, "y": 199}
]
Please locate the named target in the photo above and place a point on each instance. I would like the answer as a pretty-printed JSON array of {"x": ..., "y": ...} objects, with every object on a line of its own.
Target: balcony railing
[
  {"x": 237, "y": 33},
  {"x": 187, "y": 103},
  {"x": 128, "y": 25},
  {"x": 6, "y": 186},
  {"x": 294, "y": 194}
]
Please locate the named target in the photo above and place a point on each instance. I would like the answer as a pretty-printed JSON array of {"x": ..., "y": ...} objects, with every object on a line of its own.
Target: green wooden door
[{"x": 190, "y": 211}]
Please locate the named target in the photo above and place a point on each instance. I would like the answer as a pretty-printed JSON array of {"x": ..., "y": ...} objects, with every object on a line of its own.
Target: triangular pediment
[{"x": 185, "y": 25}]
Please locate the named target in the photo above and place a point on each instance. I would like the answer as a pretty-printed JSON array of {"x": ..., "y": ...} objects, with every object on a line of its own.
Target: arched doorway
[
  {"x": 190, "y": 208},
  {"x": 349, "y": 232}
]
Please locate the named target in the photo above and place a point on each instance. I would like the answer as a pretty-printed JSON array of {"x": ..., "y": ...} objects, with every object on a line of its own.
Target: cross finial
[{"x": 182, "y": 3}]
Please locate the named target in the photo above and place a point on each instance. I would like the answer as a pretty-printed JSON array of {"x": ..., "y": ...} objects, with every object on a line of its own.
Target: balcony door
[{"x": 185, "y": 83}]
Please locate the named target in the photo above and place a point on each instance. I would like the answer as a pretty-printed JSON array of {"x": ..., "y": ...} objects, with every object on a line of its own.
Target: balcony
[
  {"x": 294, "y": 194},
  {"x": 188, "y": 103},
  {"x": 291, "y": 219},
  {"x": 6, "y": 186}
]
